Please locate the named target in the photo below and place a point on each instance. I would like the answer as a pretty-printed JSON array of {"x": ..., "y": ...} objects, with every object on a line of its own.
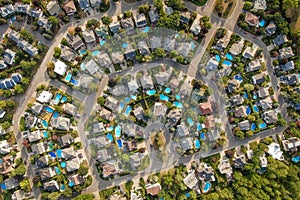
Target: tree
[
  {"x": 67, "y": 192},
  {"x": 25, "y": 185},
  {"x": 53, "y": 20},
  {"x": 159, "y": 5},
  {"x": 54, "y": 195},
  {"x": 101, "y": 100},
  {"x": 84, "y": 197},
  {"x": 160, "y": 52},
  {"x": 249, "y": 87},
  {"x": 19, "y": 171},
  {"x": 144, "y": 8},
  {"x": 19, "y": 89},
  {"x": 83, "y": 169},
  {"x": 219, "y": 7},
  {"x": 57, "y": 52},
  {"x": 92, "y": 23},
  {"x": 205, "y": 22},
  {"x": 27, "y": 35},
  {"x": 106, "y": 20},
  {"x": 247, "y": 5}
]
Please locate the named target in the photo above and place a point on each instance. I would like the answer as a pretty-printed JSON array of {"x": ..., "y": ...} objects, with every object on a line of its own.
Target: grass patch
[{"x": 198, "y": 2}]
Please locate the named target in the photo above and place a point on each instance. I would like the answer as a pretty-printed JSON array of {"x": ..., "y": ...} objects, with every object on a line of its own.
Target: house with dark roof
[
  {"x": 127, "y": 23},
  {"x": 84, "y": 4},
  {"x": 67, "y": 54},
  {"x": 115, "y": 25},
  {"x": 130, "y": 53},
  {"x": 240, "y": 111},
  {"x": 9, "y": 56},
  {"x": 11, "y": 183},
  {"x": 77, "y": 43},
  {"x": 270, "y": 116},
  {"x": 44, "y": 22},
  {"x": 263, "y": 92},
  {"x": 292, "y": 144},
  {"x": 7, "y": 10},
  {"x": 258, "y": 79},
  {"x": 279, "y": 40},
  {"x": 286, "y": 53},
  {"x": 21, "y": 8},
  {"x": 205, "y": 172},
  {"x": 236, "y": 100},
  {"x": 292, "y": 79},
  {"x": 239, "y": 161},
  {"x": 53, "y": 8},
  {"x": 46, "y": 173},
  {"x": 51, "y": 186},
  {"x": 153, "y": 16},
  {"x": 89, "y": 38},
  {"x": 244, "y": 125},
  {"x": 185, "y": 17},
  {"x": 143, "y": 48},
  {"x": 38, "y": 148},
  {"x": 287, "y": 66},
  {"x": 271, "y": 28},
  {"x": 42, "y": 161},
  {"x": 35, "y": 13},
  {"x": 254, "y": 65},
  {"x": 66, "y": 140}
]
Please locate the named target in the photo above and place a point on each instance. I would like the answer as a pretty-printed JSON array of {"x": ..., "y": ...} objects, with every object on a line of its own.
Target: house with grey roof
[
  {"x": 7, "y": 10},
  {"x": 104, "y": 60},
  {"x": 67, "y": 54},
  {"x": 153, "y": 16},
  {"x": 92, "y": 67},
  {"x": 103, "y": 155},
  {"x": 68, "y": 153},
  {"x": 224, "y": 41},
  {"x": 61, "y": 123},
  {"x": 135, "y": 160},
  {"x": 237, "y": 47},
  {"x": 84, "y": 4},
  {"x": 89, "y": 38},
  {"x": 38, "y": 148},
  {"x": 260, "y": 5},
  {"x": 279, "y": 40},
  {"x": 286, "y": 53},
  {"x": 244, "y": 125},
  {"x": 42, "y": 161},
  {"x": 240, "y": 111},
  {"x": 287, "y": 66},
  {"x": 21, "y": 194},
  {"x": 143, "y": 48},
  {"x": 5, "y": 147},
  {"x": 51, "y": 186},
  {"x": 254, "y": 65},
  {"x": 291, "y": 144},
  {"x": 46, "y": 173},
  {"x": 44, "y": 22},
  {"x": 95, "y": 3},
  {"x": 212, "y": 64},
  {"x": 169, "y": 43},
  {"x": 111, "y": 103},
  {"x": 76, "y": 42},
  {"x": 271, "y": 28},
  {"x": 263, "y": 92},
  {"x": 139, "y": 113},
  {"x": 184, "y": 48},
  {"x": 127, "y": 23},
  {"x": 232, "y": 85},
  {"x": 146, "y": 82},
  {"x": 185, "y": 17},
  {"x": 35, "y": 13},
  {"x": 140, "y": 20},
  {"x": 266, "y": 103},
  {"x": 292, "y": 79},
  {"x": 195, "y": 27},
  {"x": 205, "y": 172},
  {"x": 73, "y": 165},
  {"x": 186, "y": 143},
  {"x": 53, "y": 8},
  {"x": 270, "y": 116},
  {"x": 66, "y": 140},
  {"x": 117, "y": 57},
  {"x": 9, "y": 56},
  {"x": 182, "y": 130},
  {"x": 115, "y": 25},
  {"x": 163, "y": 77},
  {"x": 21, "y": 8},
  {"x": 155, "y": 42},
  {"x": 34, "y": 136},
  {"x": 249, "y": 52},
  {"x": 132, "y": 85},
  {"x": 11, "y": 183},
  {"x": 119, "y": 90},
  {"x": 258, "y": 79}
]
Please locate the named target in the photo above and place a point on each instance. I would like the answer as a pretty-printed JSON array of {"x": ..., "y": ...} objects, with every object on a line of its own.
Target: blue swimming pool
[
  {"x": 133, "y": 97},
  {"x": 118, "y": 131},
  {"x": 255, "y": 108},
  {"x": 178, "y": 104},
  {"x": 63, "y": 99},
  {"x": 55, "y": 115},
  {"x": 245, "y": 95},
  {"x": 102, "y": 42},
  {"x": 57, "y": 98},
  {"x": 177, "y": 35},
  {"x": 218, "y": 58},
  {"x": 202, "y": 136},
  {"x": 262, "y": 125},
  {"x": 124, "y": 45},
  {"x": 262, "y": 23},
  {"x": 127, "y": 99},
  {"x": 50, "y": 146},
  {"x": 52, "y": 154},
  {"x": 253, "y": 126},
  {"x": 190, "y": 121},
  {"x": 48, "y": 109},
  {"x": 121, "y": 105},
  {"x": 197, "y": 144},
  {"x": 46, "y": 134},
  {"x": 111, "y": 128},
  {"x": 192, "y": 46},
  {"x": 68, "y": 77},
  {"x": 74, "y": 82},
  {"x": 207, "y": 186},
  {"x": 71, "y": 184},
  {"x": 82, "y": 66},
  {"x": 199, "y": 127},
  {"x": 95, "y": 53},
  {"x": 110, "y": 137},
  {"x": 248, "y": 110},
  {"x": 227, "y": 62},
  {"x": 82, "y": 52},
  {"x": 238, "y": 78},
  {"x": 177, "y": 96},
  {"x": 146, "y": 29},
  {"x": 296, "y": 159},
  {"x": 167, "y": 90},
  {"x": 229, "y": 56},
  {"x": 163, "y": 97},
  {"x": 151, "y": 92},
  {"x": 128, "y": 110},
  {"x": 119, "y": 143},
  {"x": 1, "y": 161},
  {"x": 187, "y": 195},
  {"x": 45, "y": 123},
  {"x": 63, "y": 164},
  {"x": 254, "y": 96},
  {"x": 63, "y": 187},
  {"x": 59, "y": 153}
]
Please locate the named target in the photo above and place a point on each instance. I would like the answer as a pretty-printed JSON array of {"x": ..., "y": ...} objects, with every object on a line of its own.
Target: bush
[{"x": 47, "y": 36}]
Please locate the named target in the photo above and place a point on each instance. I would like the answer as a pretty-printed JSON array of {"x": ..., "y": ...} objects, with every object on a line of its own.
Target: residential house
[
  {"x": 286, "y": 53},
  {"x": 205, "y": 172},
  {"x": 31, "y": 50},
  {"x": 111, "y": 103},
  {"x": 44, "y": 22},
  {"x": 132, "y": 85},
  {"x": 117, "y": 57},
  {"x": 266, "y": 103},
  {"x": 84, "y": 4},
  {"x": 5, "y": 147},
  {"x": 146, "y": 82},
  {"x": 185, "y": 17},
  {"x": 115, "y": 25},
  {"x": 61, "y": 123},
  {"x": 239, "y": 161},
  {"x": 21, "y": 194},
  {"x": 263, "y": 92},
  {"x": 44, "y": 97},
  {"x": 195, "y": 27},
  {"x": 21, "y": 8},
  {"x": 77, "y": 43},
  {"x": 92, "y": 67},
  {"x": 139, "y": 113},
  {"x": 186, "y": 143},
  {"x": 66, "y": 140},
  {"x": 108, "y": 169},
  {"x": 225, "y": 71},
  {"x": 291, "y": 144},
  {"x": 237, "y": 47},
  {"x": 174, "y": 116},
  {"x": 95, "y": 3},
  {"x": 77, "y": 179},
  {"x": 129, "y": 145},
  {"x": 153, "y": 16},
  {"x": 271, "y": 28},
  {"x": 99, "y": 142},
  {"x": 140, "y": 20},
  {"x": 209, "y": 122},
  {"x": 51, "y": 186},
  {"x": 103, "y": 155},
  {"x": 236, "y": 100},
  {"x": 67, "y": 54},
  {"x": 287, "y": 66},
  {"x": 244, "y": 125},
  {"x": 223, "y": 42},
  {"x": 35, "y": 13},
  {"x": 36, "y": 108},
  {"x": 130, "y": 53},
  {"x": 10, "y": 183},
  {"x": 7, "y": 10},
  {"x": 160, "y": 109},
  {"x": 120, "y": 90},
  {"x": 270, "y": 116},
  {"x": 240, "y": 111},
  {"x": 225, "y": 168},
  {"x": 279, "y": 40},
  {"x": 168, "y": 10},
  {"x": 260, "y": 5},
  {"x": 249, "y": 52},
  {"x": 9, "y": 56},
  {"x": 258, "y": 79},
  {"x": 68, "y": 153},
  {"x": 30, "y": 121},
  {"x": 69, "y": 7},
  {"x": 169, "y": 43},
  {"x": 191, "y": 180},
  {"x": 53, "y": 8},
  {"x": 232, "y": 84},
  {"x": 153, "y": 189},
  {"x": 275, "y": 151},
  {"x": 135, "y": 160},
  {"x": 251, "y": 19},
  {"x": 7, "y": 164},
  {"x": 184, "y": 48},
  {"x": 182, "y": 130},
  {"x": 127, "y": 23},
  {"x": 129, "y": 129},
  {"x": 263, "y": 161},
  {"x": 143, "y": 48},
  {"x": 292, "y": 79},
  {"x": 46, "y": 173},
  {"x": 198, "y": 94},
  {"x": 2, "y": 131},
  {"x": 155, "y": 42},
  {"x": 34, "y": 136},
  {"x": 212, "y": 64},
  {"x": 254, "y": 65},
  {"x": 73, "y": 165},
  {"x": 104, "y": 60},
  {"x": 163, "y": 77},
  {"x": 42, "y": 161},
  {"x": 205, "y": 108},
  {"x": 89, "y": 38},
  {"x": 2, "y": 65},
  {"x": 102, "y": 31},
  {"x": 60, "y": 68}
]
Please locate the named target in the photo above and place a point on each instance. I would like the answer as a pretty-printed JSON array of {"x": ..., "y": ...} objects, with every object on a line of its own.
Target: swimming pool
[
  {"x": 218, "y": 58},
  {"x": 167, "y": 90},
  {"x": 245, "y": 95},
  {"x": 238, "y": 78},
  {"x": 177, "y": 35},
  {"x": 118, "y": 131},
  {"x": 82, "y": 52},
  {"x": 102, "y": 42},
  {"x": 177, "y": 96},
  {"x": 199, "y": 127},
  {"x": 248, "y": 110},
  {"x": 262, "y": 125},
  {"x": 255, "y": 108},
  {"x": 192, "y": 46},
  {"x": 187, "y": 195},
  {"x": 262, "y": 23},
  {"x": 45, "y": 134},
  {"x": 59, "y": 153},
  {"x": 151, "y": 92},
  {"x": 124, "y": 45},
  {"x": 68, "y": 77},
  {"x": 71, "y": 184},
  {"x": 202, "y": 136},
  {"x": 121, "y": 105},
  {"x": 119, "y": 143},
  {"x": 163, "y": 97},
  {"x": 253, "y": 126},
  {"x": 48, "y": 109},
  {"x": 127, "y": 99},
  {"x": 1, "y": 161},
  {"x": 53, "y": 155},
  {"x": 110, "y": 137},
  {"x": 45, "y": 123},
  {"x": 229, "y": 56},
  {"x": 63, "y": 187},
  {"x": 190, "y": 121},
  {"x": 133, "y": 97},
  {"x": 111, "y": 128},
  {"x": 55, "y": 115},
  {"x": 207, "y": 186},
  {"x": 128, "y": 110},
  {"x": 146, "y": 29},
  {"x": 57, "y": 98},
  {"x": 82, "y": 66},
  {"x": 63, "y": 164},
  {"x": 50, "y": 146},
  {"x": 95, "y": 53},
  {"x": 254, "y": 96},
  {"x": 74, "y": 82},
  {"x": 296, "y": 159},
  {"x": 63, "y": 99},
  {"x": 178, "y": 104},
  {"x": 197, "y": 144},
  {"x": 227, "y": 62}
]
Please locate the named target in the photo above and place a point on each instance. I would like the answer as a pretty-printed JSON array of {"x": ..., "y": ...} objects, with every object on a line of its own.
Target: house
[
  {"x": 53, "y": 8},
  {"x": 46, "y": 173},
  {"x": 270, "y": 116},
  {"x": 195, "y": 27},
  {"x": 160, "y": 109},
  {"x": 198, "y": 94},
  {"x": 9, "y": 56},
  {"x": 279, "y": 40},
  {"x": 143, "y": 48},
  {"x": 263, "y": 161},
  {"x": 168, "y": 10},
  {"x": 31, "y": 50},
  {"x": 92, "y": 67},
  {"x": 30, "y": 121},
  {"x": 103, "y": 155},
  {"x": 84, "y": 4},
  {"x": 254, "y": 65},
  {"x": 153, "y": 189},
  {"x": 169, "y": 43},
  {"x": 139, "y": 113},
  {"x": 99, "y": 142},
  {"x": 132, "y": 85},
  {"x": 205, "y": 172},
  {"x": 209, "y": 121},
  {"x": 61, "y": 123},
  {"x": 225, "y": 167},
  {"x": 129, "y": 145},
  {"x": 292, "y": 79},
  {"x": 35, "y": 13},
  {"x": 5, "y": 147},
  {"x": 286, "y": 53},
  {"x": 73, "y": 165},
  {"x": 77, "y": 43},
  {"x": 69, "y": 7},
  {"x": 205, "y": 108},
  {"x": 89, "y": 38},
  {"x": 2, "y": 65},
  {"x": 51, "y": 186},
  {"x": 130, "y": 53},
  {"x": 251, "y": 19},
  {"x": 260, "y": 5},
  {"x": 119, "y": 90},
  {"x": 140, "y": 20},
  {"x": 237, "y": 47},
  {"x": 135, "y": 160},
  {"x": 155, "y": 42},
  {"x": 104, "y": 60},
  {"x": 190, "y": 180},
  {"x": 258, "y": 79},
  {"x": 44, "y": 22},
  {"x": 21, "y": 194},
  {"x": 291, "y": 144},
  {"x": 117, "y": 57},
  {"x": 66, "y": 140},
  {"x": 16, "y": 77},
  {"x": 244, "y": 125},
  {"x": 174, "y": 116},
  {"x": 114, "y": 25},
  {"x": 271, "y": 28},
  {"x": 146, "y": 82},
  {"x": 223, "y": 42},
  {"x": 263, "y": 92},
  {"x": 21, "y": 8},
  {"x": 232, "y": 84},
  {"x": 7, "y": 164},
  {"x": 108, "y": 169},
  {"x": 42, "y": 161},
  {"x": 95, "y": 3},
  {"x": 67, "y": 54},
  {"x": 163, "y": 77},
  {"x": 249, "y": 52},
  {"x": 68, "y": 153},
  {"x": 38, "y": 148},
  {"x": 240, "y": 161},
  {"x": 266, "y": 103},
  {"x": 111, "y": 103},
  {"x": 186, "y": 143},
  {"x": 236, "y": 100},
  {"x": 129, "y": 129},
  {"x": 60, "y": 67},
  {"x": 7, "y": 10},
  {"x": 240, "y": 111},
  {"x": 127, "y": 23},
  {"x": 153, "y": 16},
  {"x": 77, "y": 179},
  {"x": 275, "y": 151},
  {"x": 10, "y": 183},
  {"x": 184, "y": 48},
  {"x": 182, "y": 130},
  {"x": 44, "y": 97},
  {"x": 185, "y": 17},
  {"x": 34, "y": 136},
  {"x": 212, "y": 64},
  {"x": 287, "y": 66},
  {"x": 2, "y": 131}
]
